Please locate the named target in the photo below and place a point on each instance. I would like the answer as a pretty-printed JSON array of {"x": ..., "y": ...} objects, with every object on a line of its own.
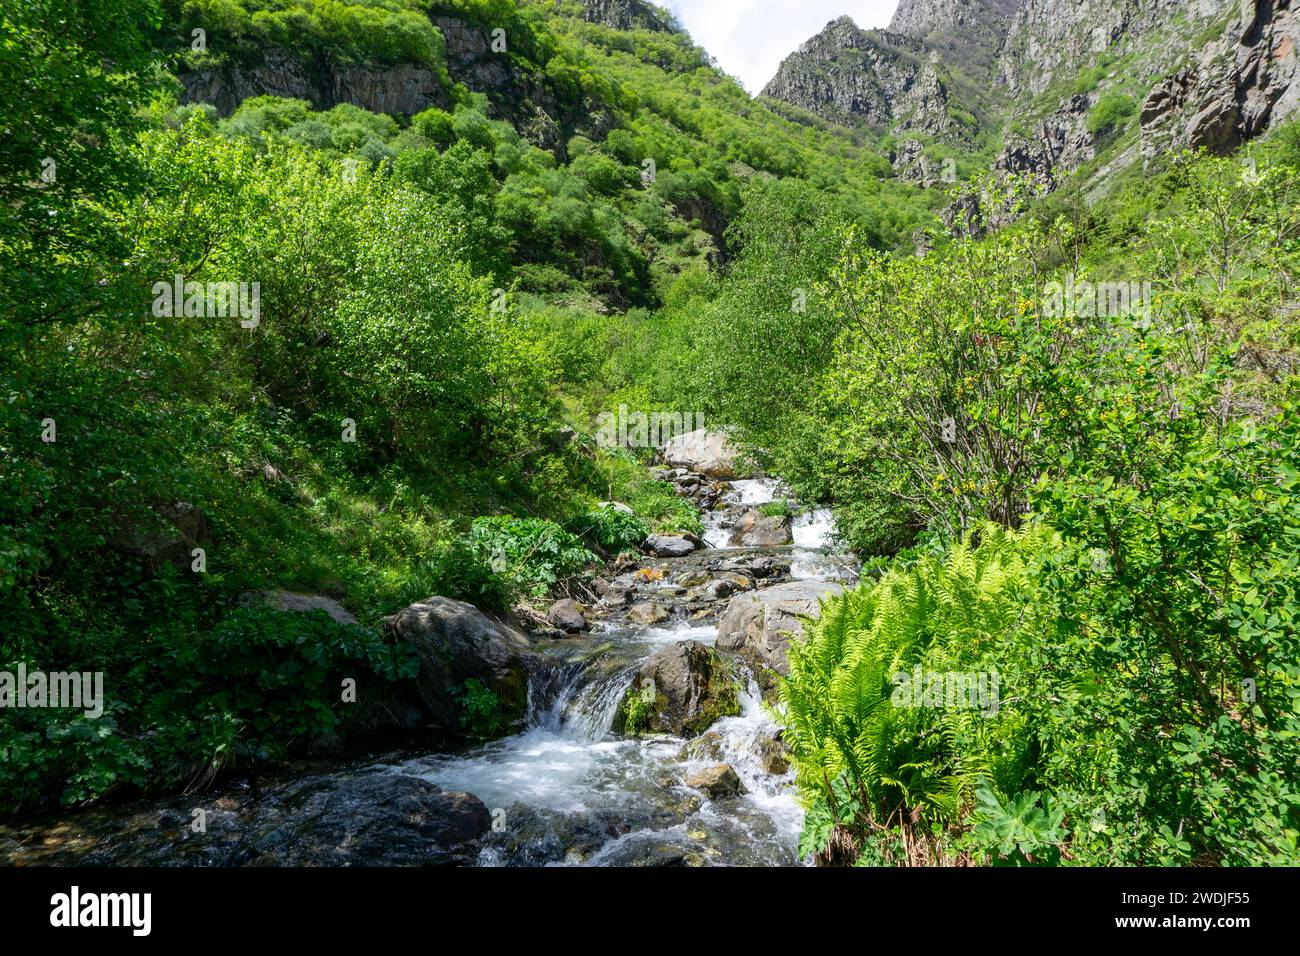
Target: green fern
[{"x": 868, "y": 766}]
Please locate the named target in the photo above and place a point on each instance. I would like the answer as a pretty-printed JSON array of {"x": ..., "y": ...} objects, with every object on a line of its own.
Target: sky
[{"x": 750, "y": 38}]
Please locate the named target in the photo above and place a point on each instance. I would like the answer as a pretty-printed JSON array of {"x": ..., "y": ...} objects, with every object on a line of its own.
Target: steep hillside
[{"x": 1093, "y": 87}]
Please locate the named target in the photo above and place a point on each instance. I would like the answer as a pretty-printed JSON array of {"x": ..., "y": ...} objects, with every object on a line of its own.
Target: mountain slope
[{"x": 1058, "y": 83}]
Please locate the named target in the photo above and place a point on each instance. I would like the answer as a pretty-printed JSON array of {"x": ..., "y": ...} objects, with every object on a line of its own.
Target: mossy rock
[{"x": 682, "y": 689}]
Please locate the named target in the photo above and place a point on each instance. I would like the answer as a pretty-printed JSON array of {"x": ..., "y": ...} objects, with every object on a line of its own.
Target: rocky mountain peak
[
  {"x": 879, "y": 77},
  {"x": 628, "y": 15}
]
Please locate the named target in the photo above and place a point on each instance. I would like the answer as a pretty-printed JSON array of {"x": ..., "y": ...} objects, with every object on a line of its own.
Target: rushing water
[
  {"x": 567, "y": 790},
  {"x": 568, "y": 762}
]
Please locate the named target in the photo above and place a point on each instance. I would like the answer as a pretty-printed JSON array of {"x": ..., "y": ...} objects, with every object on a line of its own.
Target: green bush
[
  {"x": 533, "y": 553},
  {"x": 613, "y": 529},
  {"x": 1110, "y": 111},
  {"x": 481, "y": 714}
]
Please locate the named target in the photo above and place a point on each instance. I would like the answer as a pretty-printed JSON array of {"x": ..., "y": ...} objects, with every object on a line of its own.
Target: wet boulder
[
  {"x": 717, "y": 782},
  {"x": 669, "y": 545},
  {"x": 647, "y": 613},
  {"x": 568, "y": 615},
  {"x": 371, "y": 820},
  {"x": 764, "y": 621},
  {"x": 456, "y": 643},
  {"x": 681, "y": 689},
  {"x": 757, "y": 530}
]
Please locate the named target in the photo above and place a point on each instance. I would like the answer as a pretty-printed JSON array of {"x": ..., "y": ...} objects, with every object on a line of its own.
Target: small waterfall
[
  {"x": 578, "y": 699},
  {"x": 590, "y": 712}
]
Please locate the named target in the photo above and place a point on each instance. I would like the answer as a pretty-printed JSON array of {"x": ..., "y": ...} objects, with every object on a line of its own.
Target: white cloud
[{"x": 750, "y": 38}]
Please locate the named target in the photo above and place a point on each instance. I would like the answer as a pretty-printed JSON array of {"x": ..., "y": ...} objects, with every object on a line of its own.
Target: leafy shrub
[
  {"x": 480, "y": 708},
  {"x": 614, "y": 529},
  {"x": 1111, "y": 110},
  {"x": 533, "y": 553}
]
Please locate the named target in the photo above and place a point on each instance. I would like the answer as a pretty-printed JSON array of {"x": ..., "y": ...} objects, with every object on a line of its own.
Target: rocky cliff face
[
  {"x": 968, "y": 32},
  {"x": 1209, "y": 73},
  {"x": 627, "y": 15},
  {"x": 877, "y": 77},
  {"x": 396, "y": 88},
  {"x": 1239, "y": 84}
]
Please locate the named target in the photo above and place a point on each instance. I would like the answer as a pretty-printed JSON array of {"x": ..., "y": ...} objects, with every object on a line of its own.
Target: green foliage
[
  {"x": 347, "y": 31},
  {"x": 778, "y": 508},
  {"x": 534, "y": 554},
  {"x": 904, "y": 762},
  {"x": 613, "y": 529},
  {"x": 1112, "y": 109},
  {"x": 636, "y": 714},
  {"x": 1019, "y": 830},
  {"x": 481, "y": 715}
]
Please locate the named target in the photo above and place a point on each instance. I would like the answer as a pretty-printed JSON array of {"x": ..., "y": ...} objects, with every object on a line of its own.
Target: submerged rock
[
  {"x": 371, "y": 820},
  {"x": 343, "y": 818}
]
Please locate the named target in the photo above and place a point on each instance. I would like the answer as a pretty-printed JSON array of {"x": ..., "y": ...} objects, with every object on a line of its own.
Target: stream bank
[{"x": 568, "y": 787}]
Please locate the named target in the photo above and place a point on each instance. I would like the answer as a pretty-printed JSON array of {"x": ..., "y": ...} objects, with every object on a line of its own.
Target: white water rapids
[{"x": 568, "y": 766}]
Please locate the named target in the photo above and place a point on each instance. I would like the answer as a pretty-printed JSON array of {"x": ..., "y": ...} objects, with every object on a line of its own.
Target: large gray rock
[
  {"x": 757, "y": 530},
  {"x": 691, "y": 686},
  {"x": 456, "y": 643},
  {"x": 166, "y": 535},
  {"x": 385, "y": 88},
  {"x": 568, "y": 615},
  {"x": 707, "y": 452},
  {"x": 765, "y": 621},
  {"x": 292, "y": 602},
  {"x": 669, "y": 545},
  {"x": 717, "y": 782}
]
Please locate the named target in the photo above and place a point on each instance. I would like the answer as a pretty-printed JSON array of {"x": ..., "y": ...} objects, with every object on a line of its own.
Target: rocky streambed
[{"x": 640, "y": 732}]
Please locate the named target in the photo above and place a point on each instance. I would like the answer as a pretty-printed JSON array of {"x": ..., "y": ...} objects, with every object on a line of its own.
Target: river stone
[
  {"x": 757, "y": 530},
  {"x": 456, "y": 643},
  {"x": 669, "y": 545},
  {"x": 772, "y": 755},
  {"x": 692, "y": 684},
  {"x": 303, "y": 603},
  {"x": 707, "y": 746},
  {"x": 765, "y": 621},
  {"x": 647, "y": 613},
  {"x": 716, "y": 782},
  {"x": 707, "y": 452},
  {"x": 568, "y": 615},
  {"x": 377, "y": 819}
]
